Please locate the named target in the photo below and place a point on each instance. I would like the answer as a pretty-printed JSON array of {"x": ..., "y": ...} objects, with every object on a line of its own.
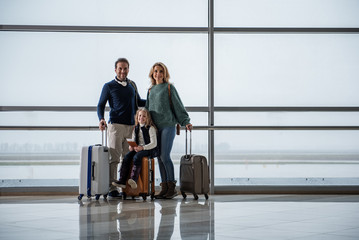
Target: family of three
[{"x": 150, "y": 123}]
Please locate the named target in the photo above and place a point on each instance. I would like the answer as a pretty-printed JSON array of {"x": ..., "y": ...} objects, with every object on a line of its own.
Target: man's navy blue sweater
[{"x": 122, "y": 101}]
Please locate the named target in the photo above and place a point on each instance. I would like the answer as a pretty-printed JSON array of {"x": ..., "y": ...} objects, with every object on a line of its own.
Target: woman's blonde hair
[
  {"x": 148, "y": 120},
  {"x": 166, "y": 74}
]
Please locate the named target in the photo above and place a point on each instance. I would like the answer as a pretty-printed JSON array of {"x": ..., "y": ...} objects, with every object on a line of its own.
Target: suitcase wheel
[
  {"x": 152, "y": 196},
  {"x": 144, "y": 197},
  {"x": 80, "y": 197},
  {"x": 206, "y": 196},
  {"x": 105, "y": 196},
  {"x": 133, "y": 197},
  {"x": 97, "y": 196},
  {"x": 195, "y": 196},
  {"x": 124, "y": 195},
  {"x": 183, "y": 195}
]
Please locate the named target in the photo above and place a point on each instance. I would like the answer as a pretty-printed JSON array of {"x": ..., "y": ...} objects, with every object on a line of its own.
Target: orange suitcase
[{"x": 145, "y": 182}]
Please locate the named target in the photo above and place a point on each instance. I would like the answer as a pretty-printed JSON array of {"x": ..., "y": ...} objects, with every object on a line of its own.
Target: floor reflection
[
  {"x": 98, "y": 220},
  {"x": 196, "y": 220},
  {"x": 249, "y": 217},
  {"x": 137, "y": 219},
  {"x": 254, "y": 217}
]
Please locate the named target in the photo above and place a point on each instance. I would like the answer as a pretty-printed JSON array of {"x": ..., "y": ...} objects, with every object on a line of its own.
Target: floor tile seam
[
  {"x": 224, "y": 235},
  {"x": 342, "y": 235},
  {"x": 7, "y": 225},
  {"x": 338, "y": 221},
  {"x": 320, "y": 232},
  {"x": 37, "y": 218},
  {"x": 343, "y": 230},
  {"x": 286, "y": 232},
  {"x": 251, "y": 225},
  {"x": 28, "y": 228},
  {"x": 338, "y": 224},
  {"x": 46, "y": 227},
  {"x": 323, "y": 222},
  {"x": 312, "y": 235}
]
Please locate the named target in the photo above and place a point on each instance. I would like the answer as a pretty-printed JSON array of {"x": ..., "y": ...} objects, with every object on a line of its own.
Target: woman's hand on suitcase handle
[
  {"x": 102, "y": 125},
  {"x": 189, "y": 127}
]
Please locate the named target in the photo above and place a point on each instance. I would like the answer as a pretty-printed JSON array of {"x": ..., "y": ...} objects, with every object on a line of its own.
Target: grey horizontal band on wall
[
  {"x": 188, "y": 108},
  {"x": 95, "y": 128},
  {"x": 129, "y": 29}
]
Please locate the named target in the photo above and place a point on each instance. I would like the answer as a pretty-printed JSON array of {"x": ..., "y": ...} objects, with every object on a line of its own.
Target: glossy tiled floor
[{"x": 221, "y": 217}]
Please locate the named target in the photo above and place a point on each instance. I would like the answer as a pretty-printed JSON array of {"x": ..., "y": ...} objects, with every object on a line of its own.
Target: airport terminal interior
[
  {"x": 271, "y": 87},
  {"x": 238, "y": 216}
]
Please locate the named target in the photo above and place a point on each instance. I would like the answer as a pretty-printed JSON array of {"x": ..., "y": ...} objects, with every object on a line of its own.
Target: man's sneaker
[
  {"x": 114, "y": 194},
  {"x": 119, "y": 184},
  {"x": 132, "y": 183}
]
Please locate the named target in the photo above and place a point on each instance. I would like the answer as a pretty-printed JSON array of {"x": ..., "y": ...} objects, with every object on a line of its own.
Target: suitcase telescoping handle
[
  {"x": 190, "y": 144},
  {"x": 104, "y": 137}
]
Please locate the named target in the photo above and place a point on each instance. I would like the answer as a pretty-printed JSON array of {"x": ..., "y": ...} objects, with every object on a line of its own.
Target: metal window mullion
[
  {"x": 100, "y": 29},
  {"x": 211, "y": 92}
]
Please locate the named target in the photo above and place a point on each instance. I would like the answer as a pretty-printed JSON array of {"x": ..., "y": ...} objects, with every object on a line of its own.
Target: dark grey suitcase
[{"x": 194, "y": 173}]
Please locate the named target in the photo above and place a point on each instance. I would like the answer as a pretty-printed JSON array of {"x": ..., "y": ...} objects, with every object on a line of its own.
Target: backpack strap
[
  {"x": 169, "y": 98},
  {"x": 135, "y": 87},
  {"x": 178, "y": 126}
]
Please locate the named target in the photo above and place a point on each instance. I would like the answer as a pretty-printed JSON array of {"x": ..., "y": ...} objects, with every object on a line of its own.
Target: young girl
[{"x": 144, "y": 134}]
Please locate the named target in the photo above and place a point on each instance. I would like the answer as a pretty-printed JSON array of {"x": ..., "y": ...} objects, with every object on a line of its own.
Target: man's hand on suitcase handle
[
  {"x": 189, "y": 127},
  {"x": 102, "y": 125}
]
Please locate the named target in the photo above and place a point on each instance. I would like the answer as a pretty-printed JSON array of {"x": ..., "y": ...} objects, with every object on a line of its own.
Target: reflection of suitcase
[
  {"x": 96, "y": 221},
  {"x": 145, "y": 182},
  {"x": 196, "y": 220},
  {"x": 94, "y": 171},
  {"x": 135, "y": 221},
  {"x": 194, "y": 171}
]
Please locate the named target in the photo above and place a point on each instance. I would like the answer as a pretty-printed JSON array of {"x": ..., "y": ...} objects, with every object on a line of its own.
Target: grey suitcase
[
  {"x": 94, "y": 170},
  {"x": 194, "y": 173}
]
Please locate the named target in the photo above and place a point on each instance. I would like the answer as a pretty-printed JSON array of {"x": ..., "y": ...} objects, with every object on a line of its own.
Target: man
[{"x": 123, "y": 98}]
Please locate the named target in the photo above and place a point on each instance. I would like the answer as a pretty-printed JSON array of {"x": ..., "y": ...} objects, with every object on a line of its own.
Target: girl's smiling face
[{"x": 142, "y": 117}]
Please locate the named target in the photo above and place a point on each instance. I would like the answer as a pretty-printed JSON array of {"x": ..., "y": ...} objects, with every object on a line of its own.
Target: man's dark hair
[{"x": 122, "y": 60}]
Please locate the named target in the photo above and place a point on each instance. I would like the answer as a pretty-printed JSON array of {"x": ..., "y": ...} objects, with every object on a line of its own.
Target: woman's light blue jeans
[{"x": 165, "y": 142}]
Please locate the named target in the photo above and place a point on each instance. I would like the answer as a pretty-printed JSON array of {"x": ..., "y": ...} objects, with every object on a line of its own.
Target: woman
[{"x": 166, "y": 110}]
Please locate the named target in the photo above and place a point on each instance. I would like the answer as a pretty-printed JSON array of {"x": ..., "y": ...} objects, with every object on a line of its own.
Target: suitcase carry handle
[
  {"x": 190, "y": 144},
  {"x": 93, "y": 171}
]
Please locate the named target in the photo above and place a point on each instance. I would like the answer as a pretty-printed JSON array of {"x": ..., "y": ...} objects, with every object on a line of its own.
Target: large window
[
  {"x": 69, "y": 69},
  {"x": 139, "y": 13},
  {"x": 286, "y": 69},
  {"x": 281, "y": 13}
]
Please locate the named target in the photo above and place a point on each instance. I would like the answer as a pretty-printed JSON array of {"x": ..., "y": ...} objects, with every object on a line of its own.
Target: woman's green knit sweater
[{"x": 159, "y": 106}]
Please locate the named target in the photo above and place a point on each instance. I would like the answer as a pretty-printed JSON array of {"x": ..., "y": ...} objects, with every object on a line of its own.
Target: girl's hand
[{"x": 138, "y": 149}]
